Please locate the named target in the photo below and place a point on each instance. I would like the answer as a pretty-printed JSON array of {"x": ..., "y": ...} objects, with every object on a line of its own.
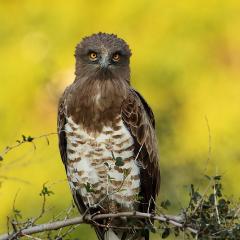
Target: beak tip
[{"x": 104, "y": 66}]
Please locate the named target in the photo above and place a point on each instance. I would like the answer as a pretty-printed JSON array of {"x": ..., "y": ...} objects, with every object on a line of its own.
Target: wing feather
[{"x": 139, "y": 119}]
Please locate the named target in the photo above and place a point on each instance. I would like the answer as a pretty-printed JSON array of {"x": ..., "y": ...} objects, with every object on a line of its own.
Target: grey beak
[{"x": 104, "y": 62}]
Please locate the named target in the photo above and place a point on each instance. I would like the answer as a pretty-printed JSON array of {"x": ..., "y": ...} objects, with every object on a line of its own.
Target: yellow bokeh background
[{"x": 186, "y": 63}]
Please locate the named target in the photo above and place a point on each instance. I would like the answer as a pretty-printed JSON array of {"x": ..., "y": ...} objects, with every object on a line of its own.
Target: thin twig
[
  {"x": 66, "y": 217},
  {"x": 215, "y": 203},
  {"x": 209, "y": 144},
  {"x": 31, "y": 237},
  {"x": 14, "y": 210},
  {"x": 24, "y": 140},
  {"x": 42, "y": 210},
  {"x": 70, "y": 230}
]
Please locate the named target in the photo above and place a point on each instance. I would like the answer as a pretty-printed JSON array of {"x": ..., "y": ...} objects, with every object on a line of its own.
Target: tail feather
[
  {"x": 111, "y": 235},
  {"x": 118, "y": 234}
]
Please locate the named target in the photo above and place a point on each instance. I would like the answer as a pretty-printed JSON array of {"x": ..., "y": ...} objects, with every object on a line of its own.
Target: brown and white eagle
[{"x": 106, "y": 137}]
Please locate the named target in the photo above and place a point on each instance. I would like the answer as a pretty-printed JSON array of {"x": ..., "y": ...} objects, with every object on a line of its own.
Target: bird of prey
[{"x": 107, "y": 139}]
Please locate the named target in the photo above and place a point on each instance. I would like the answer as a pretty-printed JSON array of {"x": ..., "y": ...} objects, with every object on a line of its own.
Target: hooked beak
[{"x": 104, "y": 62}]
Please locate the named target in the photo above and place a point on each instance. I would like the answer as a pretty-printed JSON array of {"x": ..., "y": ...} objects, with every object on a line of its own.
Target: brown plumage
[{"x": 100, "y": 115}]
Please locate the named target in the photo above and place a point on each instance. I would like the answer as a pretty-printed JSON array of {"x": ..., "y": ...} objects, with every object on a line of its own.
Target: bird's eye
[
  {"x": 116, "y": 57},
  {"x": 93, "y": 56}
]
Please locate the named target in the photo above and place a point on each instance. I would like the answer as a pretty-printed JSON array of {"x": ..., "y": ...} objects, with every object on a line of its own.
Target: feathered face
[{"x": 102, "y": 56}]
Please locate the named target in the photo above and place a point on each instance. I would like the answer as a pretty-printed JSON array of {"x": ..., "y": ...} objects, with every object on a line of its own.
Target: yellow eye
[
  {"x": 116, "y": 57},
  {"x": 93, "y": 56}
]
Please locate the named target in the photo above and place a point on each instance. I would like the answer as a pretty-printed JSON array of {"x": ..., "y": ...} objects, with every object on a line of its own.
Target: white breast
[{"x": 92, "y": 168}]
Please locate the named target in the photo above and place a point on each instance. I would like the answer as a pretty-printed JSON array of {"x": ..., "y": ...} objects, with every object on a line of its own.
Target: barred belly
[{"x": 102, "y": 166}]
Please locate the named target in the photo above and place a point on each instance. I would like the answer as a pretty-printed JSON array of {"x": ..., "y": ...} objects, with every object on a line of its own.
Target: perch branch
[{"x": 174, "y": 220}]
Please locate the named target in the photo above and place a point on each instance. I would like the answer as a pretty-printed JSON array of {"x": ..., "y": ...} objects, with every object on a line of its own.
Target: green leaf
[
  {"x": 45, "y": 191},
  {"x": 139, "y": 197},
  {"x": 88, "y": 187},
  {"x": 126, "y": 172},
  {"x": 24, "y": 138},
  {"x": 176, "y": 232},
  {"x": 217, "y": 177},
  {"x": 17, "y": 213},
  {"x": 119, "y": 162},
  {"x": 208, "y": 177},
  {"x": 30, "y": 139},
  {"x": 211, "y": 199},
  {"x": 165, "y": 204},
  {"x": 166, "y": 233}
]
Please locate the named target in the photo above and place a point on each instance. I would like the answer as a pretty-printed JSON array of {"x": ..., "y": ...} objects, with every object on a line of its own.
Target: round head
[{"x": 102, "y": 55}]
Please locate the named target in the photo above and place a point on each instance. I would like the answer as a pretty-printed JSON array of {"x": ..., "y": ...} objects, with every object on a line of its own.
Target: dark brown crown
[{"x": 109, "y": 41}]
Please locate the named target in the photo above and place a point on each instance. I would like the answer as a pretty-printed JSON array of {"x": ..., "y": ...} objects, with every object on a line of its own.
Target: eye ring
[
  {"x": 116, "y": 57},
  {"x": 93, "y": 56}
]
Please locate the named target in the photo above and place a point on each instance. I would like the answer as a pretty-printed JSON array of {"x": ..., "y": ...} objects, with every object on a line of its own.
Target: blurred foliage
[{"x": 186, "y": 58}]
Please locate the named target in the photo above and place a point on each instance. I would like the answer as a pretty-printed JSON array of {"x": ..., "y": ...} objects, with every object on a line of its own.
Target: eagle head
[{"x": 102, "y": 56}]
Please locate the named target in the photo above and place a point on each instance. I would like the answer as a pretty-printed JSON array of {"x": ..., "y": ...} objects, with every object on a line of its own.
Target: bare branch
[{"x": 177, "y": 221}]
